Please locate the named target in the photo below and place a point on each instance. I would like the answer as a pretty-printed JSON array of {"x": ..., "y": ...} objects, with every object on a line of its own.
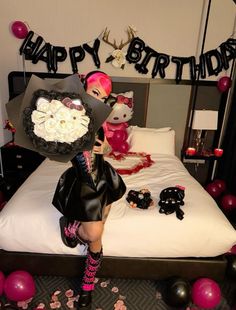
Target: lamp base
[{"x": 199, "y": 140}]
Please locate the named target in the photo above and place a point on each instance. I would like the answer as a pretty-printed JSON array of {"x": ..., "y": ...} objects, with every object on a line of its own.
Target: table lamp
[{"x": 203, "y": 120}]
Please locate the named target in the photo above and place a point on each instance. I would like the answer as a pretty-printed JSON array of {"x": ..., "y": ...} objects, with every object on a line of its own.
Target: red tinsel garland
[{"x": 145, "y": 162}]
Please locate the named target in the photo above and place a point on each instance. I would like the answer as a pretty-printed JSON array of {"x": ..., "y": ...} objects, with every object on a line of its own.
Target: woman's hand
[{"x": 103, "y": 148}]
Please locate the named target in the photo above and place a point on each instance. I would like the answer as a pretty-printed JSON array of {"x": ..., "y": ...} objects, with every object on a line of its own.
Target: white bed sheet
[{"x": 29, "y": 222}]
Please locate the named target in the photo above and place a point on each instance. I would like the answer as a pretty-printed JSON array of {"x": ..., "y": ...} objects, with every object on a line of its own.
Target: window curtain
[{"x": 227, "y": 164}]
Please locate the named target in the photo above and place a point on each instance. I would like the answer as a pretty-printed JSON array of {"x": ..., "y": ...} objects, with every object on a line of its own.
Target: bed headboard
[{"x": 18, "y": 80}]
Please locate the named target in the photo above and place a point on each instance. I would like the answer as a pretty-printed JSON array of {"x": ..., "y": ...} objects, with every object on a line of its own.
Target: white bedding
[{"x": 29, "y": 222}]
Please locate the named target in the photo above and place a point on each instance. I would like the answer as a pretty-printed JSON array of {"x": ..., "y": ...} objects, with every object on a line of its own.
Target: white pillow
[
  {"x": 134, "y": 128},
  {"x": 151, "y": 140}
]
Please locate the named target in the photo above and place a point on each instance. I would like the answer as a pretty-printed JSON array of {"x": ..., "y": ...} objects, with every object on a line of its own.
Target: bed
[{"x": 143, "y": 244}]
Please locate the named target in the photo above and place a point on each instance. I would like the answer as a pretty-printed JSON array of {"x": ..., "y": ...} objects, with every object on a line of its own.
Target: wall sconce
[{"x": 203, "y": 120}]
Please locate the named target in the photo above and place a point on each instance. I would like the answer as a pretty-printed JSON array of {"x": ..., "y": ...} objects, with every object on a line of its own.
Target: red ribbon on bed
[{"x": 145, "y": 162}]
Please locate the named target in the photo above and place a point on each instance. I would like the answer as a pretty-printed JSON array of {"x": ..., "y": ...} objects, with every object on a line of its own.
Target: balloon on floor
[
  {"x": 177, "y": 292},
  {"x": 19, "y": 286},
  {"x": 206, "y": 293}
]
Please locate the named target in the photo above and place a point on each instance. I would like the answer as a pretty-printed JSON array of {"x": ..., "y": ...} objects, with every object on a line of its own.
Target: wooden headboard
[{"x": 18, "y": 80}]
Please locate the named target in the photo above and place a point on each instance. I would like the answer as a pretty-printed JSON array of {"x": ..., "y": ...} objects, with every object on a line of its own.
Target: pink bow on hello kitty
[{"x": 125, "y": 100}]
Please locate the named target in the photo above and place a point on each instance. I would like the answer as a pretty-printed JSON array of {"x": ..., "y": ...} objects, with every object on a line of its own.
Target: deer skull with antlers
[{"x": 117, "y": 57}]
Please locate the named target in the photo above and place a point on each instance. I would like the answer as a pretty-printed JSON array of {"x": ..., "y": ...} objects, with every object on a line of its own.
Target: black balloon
[
  {"x": 162, "y": 61},
  {"x": 77, "y": 54},
  {"x": 231, "y": 266},
  {"x": 93, "y": 51},
  {"x": 142, "y": 67},
  {"x": 177, "y": 292},
  {"x": 29, "y": 47},
  {"x": 180, "y": 62},
  {"x": 134, "y": 52},
  {"x": 44, "y": 54},
  {"x": 59, "y": 54},
  {"x": 219, "y": 66},
  {"x": 227, "y": 52},
  {"x": 197, "y": 69}
]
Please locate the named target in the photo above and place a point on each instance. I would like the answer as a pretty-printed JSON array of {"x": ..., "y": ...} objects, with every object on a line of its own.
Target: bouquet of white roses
[{"x": 57, "y": 120}]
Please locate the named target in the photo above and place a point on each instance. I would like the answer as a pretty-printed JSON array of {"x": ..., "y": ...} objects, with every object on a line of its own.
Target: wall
[{"x": 168, "y": 26}]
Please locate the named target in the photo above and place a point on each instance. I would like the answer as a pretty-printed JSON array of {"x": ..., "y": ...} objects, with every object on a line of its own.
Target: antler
[
  {"x": 105, "y": 39},
  {"x": 130, "y": 32}
]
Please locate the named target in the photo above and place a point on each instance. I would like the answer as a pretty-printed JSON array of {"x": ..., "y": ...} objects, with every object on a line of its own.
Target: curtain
[{"x": 227, "y": 164}]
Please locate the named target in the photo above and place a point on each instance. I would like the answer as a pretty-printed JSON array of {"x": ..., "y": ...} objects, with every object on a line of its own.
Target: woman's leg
[{"x": 91, "y": 231}]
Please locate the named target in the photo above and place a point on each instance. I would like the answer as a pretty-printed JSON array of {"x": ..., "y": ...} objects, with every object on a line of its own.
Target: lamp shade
[{"x": 205, "y": 120}]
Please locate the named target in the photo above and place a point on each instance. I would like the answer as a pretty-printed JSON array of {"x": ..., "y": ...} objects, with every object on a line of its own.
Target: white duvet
[{"x": 29, "y": 222}]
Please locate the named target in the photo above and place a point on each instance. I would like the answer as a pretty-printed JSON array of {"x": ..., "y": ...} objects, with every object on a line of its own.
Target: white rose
[
  {"x": 119, "y": 58},
  {"x": 55, "y": 105},
  {"x": 43, "y": 105},
  {"x": 50, "y": 125},
  {"x": 38, "y": 117}
]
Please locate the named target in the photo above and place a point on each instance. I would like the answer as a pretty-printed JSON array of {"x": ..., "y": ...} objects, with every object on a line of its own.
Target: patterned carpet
[{"x": 117, "y": 294}]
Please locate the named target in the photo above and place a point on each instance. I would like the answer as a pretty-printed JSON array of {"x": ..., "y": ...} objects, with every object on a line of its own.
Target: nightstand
[
  {"x": 18, "y": 163},
  {"x": 200, "y": 166}
]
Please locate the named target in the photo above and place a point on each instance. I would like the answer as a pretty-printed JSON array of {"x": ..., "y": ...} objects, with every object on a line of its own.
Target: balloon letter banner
[{"x": 211, "y": 62}]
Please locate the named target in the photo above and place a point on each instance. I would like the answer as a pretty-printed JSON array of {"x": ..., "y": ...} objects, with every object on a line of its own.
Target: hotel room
[{"x": 175, "y": 61}]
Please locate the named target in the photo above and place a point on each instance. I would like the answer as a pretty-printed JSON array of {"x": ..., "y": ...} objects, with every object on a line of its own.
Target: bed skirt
[{"x": 115, "y": 267}]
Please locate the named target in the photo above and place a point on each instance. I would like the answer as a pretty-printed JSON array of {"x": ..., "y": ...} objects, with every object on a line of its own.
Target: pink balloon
[
  {"x": 206, "y": 293},
  {"x": 19, "y": 29},
  {"x": 213, "y": 189},
  {"x": 228, "y": 202},
  {"x": 19, "y": 286},
  {"x": 2, "y": 280},
  {"x": 221, "y": 184},
  {"x": 224, "y": 83},
  {"x": 119, "y": 136}
]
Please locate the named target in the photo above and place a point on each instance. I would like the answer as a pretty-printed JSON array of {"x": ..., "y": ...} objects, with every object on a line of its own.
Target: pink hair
[{"x": 103, "y": 79}]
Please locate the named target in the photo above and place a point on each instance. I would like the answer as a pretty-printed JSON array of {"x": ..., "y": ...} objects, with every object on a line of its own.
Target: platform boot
[{"x": 93, "y": 262}]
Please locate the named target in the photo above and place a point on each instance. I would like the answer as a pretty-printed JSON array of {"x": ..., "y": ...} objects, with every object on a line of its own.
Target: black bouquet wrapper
[{"x": 72, "y": 84}]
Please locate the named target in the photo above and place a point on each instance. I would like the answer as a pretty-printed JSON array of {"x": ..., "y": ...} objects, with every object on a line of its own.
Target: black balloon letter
[
  {"x": 142, "y": 67},
  {"x": 161, "y": 62},
  {"x": 180, "y": 61},
  {"x": 59, "y": 53},
  {"x": 28, "y": 47},
  {"x": 134, "y": 53},
  {"x": 76, "y": 58},
  {"x": 93, "y": 51},
  {"x": 44, "y": 54},
  {"x": 218, "y": 57}
]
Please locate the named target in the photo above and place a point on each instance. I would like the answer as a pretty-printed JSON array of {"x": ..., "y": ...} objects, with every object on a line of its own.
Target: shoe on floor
[{"x": 85, "y": 300}]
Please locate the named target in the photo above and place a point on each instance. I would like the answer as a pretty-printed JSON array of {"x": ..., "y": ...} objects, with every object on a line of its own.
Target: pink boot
[{"x": 93, "y": 262}]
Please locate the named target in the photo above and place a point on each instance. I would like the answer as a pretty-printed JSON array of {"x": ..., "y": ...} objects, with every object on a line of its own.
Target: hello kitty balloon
[{"x": 116, "y": 124}]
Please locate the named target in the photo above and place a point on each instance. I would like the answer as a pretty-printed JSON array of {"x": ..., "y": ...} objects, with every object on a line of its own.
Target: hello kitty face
[
  {"x": 59, "y": 121},
  {"x": 122, "y": 107}
]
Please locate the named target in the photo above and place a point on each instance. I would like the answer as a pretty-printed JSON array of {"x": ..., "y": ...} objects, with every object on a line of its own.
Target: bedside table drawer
[{"x": 16, "y": 158}]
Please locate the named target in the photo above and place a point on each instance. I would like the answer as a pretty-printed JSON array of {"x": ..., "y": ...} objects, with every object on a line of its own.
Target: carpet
[{"x": 114, "y": 294}]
